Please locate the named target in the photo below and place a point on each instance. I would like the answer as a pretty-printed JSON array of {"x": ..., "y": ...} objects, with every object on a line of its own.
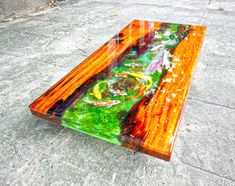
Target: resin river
[{"x": 107, "y": 102}]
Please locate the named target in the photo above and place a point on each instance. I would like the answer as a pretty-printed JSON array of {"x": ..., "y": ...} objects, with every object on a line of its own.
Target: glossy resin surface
[{"x": 131, "y": 90}]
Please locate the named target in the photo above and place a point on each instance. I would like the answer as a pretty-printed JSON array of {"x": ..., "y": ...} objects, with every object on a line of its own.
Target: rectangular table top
[{"x": 131, "y": 90}]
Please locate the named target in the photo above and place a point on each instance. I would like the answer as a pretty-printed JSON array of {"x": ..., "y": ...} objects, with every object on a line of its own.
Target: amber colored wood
[
  {"x": 159, "y": 119},
  {"x": 94, "y": 64}
]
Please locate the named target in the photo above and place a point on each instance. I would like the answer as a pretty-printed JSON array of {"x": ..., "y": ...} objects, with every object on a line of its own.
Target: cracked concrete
[{"x": 36, "y": 52}]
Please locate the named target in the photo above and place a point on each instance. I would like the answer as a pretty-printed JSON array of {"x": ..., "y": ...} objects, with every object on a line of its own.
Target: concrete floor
[
  {"x": 36, "y": 52},
  {"x": 11, "y": 7}
]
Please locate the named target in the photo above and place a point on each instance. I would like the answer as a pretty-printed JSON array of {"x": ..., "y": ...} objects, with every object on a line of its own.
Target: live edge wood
[{"x": 161, "y": 115}]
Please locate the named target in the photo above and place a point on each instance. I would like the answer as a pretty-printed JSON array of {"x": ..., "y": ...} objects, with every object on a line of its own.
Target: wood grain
[
  {"x": 94, "y": 64},
  {"x": 157, "y": 122}
]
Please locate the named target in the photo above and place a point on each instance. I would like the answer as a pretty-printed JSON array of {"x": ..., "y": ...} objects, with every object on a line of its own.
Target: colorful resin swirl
[{"x": 130, "y": 91}]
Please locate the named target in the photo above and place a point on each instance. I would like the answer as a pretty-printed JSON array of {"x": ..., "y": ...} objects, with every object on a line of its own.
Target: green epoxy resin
[{"x": 106, "y": 103}]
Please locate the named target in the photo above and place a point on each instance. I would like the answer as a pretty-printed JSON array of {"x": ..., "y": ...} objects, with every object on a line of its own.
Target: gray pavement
[{"x": 35, "y": 52}]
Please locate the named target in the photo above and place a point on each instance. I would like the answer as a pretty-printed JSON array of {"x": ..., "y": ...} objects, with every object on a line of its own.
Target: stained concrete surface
[
  {"x": 37, "y": 51},
  {"x": 11, "y": 7}
]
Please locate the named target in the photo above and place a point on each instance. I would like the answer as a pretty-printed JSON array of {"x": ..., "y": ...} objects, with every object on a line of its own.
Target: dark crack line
[
  {"x": 83, "y": 51},
  {"x": 210, "y": 172},
  {"x": 211, "y": 103}
]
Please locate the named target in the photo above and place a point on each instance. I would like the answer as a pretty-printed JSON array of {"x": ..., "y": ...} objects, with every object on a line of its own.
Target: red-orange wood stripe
[
  {"x": 159, "y": 119},
  {"x": 94, "y": 64}
]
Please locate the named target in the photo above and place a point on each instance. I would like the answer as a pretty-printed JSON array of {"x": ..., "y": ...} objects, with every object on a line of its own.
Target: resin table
[{"x": 131, "y": 90}]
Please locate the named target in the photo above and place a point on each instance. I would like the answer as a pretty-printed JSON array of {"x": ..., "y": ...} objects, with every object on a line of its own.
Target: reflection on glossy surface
[
  {"x": 98, "y": 111},
  {"x": 130, "y": 91}
]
